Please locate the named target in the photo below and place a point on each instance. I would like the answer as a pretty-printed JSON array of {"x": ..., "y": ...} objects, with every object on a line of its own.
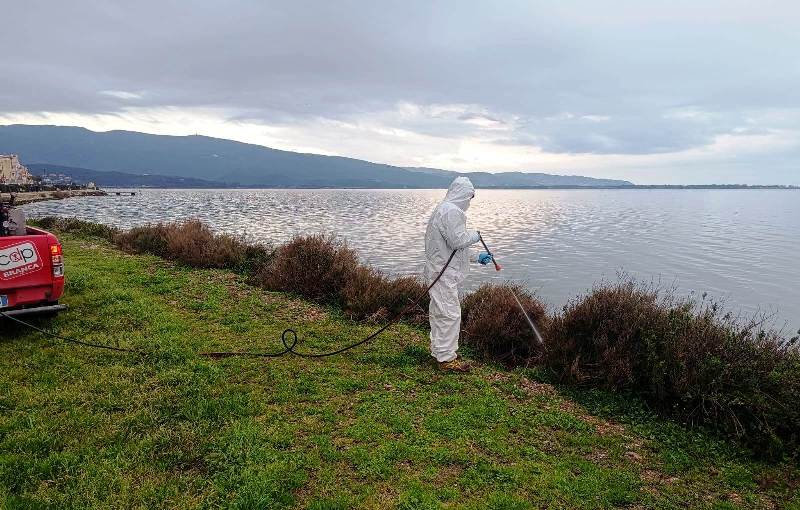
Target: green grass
[{"x": 377, "y": 427}]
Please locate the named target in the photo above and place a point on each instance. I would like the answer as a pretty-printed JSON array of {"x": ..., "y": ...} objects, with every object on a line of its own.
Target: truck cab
[{"x": 31, "y": 267}]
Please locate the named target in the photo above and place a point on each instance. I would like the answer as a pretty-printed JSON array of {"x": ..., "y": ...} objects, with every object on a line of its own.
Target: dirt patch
[
  {"x": 499, "y": 377},
  {"x": 603, "y": 427},
  {"x": 315, "y": 314},
  {"x": 536, "y": 388},
  {"x": 598, "y": 457},
  {"x": 735, "y": 498},
  {"x": 633, "y": 457},
  {"x": 236, "y": 292},
  {"x": 290, "y": 308}
]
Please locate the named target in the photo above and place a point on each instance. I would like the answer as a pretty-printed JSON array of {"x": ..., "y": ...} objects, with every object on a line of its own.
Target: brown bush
[
  {"x": 685, "y": 358},
  {"x": 599, "y": 338},
  {"x": 403, "y": 291},
  {"x": 364, "y": 294},
  {"x": 494, "y": 326},
  {"x": 370, "y": 294},
  {"x": 146, "y": 239},
  {"x": 194, "y": 244},
  {"x": 317, "y": 267}
]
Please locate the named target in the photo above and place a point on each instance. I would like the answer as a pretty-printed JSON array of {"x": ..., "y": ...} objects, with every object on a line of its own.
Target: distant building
[
  {"x": 54, "y": 178},
  {"x": 12, "y": 171}
]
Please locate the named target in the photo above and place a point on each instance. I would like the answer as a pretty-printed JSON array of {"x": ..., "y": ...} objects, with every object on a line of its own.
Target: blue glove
[{"x": 484, "y": 258}]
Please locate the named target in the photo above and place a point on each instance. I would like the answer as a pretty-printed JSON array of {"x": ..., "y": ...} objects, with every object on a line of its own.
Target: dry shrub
[
  {"x": 403, "y": 291},
  {"x": 364, "y": 294},
  {"x": 600, "y": 338},
  {"x": 317, "y": 267},
  {"x": 685, "y": 358},
  {"x": 193, "y": 243},
  {"x": 370, "y": 294},
  {"x": 495, "y": 327},
  {"x": 146, "y": 239}
]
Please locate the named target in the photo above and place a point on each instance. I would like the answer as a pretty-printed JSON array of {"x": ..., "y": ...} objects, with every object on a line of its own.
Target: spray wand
[{"x": 498, "y": 267}]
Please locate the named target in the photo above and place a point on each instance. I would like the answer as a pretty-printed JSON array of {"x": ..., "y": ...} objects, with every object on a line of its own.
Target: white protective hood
[{"x": 460, "y": 192}]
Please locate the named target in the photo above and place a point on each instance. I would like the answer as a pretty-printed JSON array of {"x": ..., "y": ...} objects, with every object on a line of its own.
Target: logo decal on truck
[{"x": 19, "y": 260}]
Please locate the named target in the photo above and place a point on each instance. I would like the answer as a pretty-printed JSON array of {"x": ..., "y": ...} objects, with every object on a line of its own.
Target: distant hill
[
  {"x": 523, "y": 179},
  {"x": 121, "y": 179},
  {"x": 227, "y": 161}
]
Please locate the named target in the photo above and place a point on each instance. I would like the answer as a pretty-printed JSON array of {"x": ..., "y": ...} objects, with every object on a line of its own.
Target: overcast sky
[{"x": 673, "y": 92}]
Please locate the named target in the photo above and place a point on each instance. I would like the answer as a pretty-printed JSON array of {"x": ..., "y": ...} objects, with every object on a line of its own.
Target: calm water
[{"x": 741, "y": 246}]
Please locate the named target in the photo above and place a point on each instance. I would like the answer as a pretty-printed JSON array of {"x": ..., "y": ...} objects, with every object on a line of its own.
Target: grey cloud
[
  {"x": 520, "y": 64},
  {"x": 630, "y": 134}
]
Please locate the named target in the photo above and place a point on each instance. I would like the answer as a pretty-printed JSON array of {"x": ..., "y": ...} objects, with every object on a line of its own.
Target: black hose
[
  {"x": 67, "y": 339},
  {"x": 288, "y": 344}
]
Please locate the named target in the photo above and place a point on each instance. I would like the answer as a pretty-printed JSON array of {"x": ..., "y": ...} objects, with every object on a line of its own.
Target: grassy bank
[
  {"x": 689, "y": 360},
  {"x": 374, "y": 428}
]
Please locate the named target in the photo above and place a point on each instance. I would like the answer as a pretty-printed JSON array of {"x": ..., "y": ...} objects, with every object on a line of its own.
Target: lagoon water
[{"x": 740, "y": 246}]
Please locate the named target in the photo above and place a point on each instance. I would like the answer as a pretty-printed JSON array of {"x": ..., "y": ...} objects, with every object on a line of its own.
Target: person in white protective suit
[{"x": 447, "y": 231}]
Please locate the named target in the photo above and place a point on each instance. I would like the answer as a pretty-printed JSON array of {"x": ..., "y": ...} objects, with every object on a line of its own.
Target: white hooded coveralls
[{"x": 447, "y": 231}]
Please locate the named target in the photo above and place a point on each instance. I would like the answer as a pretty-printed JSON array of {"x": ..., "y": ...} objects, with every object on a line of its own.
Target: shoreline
[
  {"x": 29, "y": 197},
  {"x": 637, "y": 187}
]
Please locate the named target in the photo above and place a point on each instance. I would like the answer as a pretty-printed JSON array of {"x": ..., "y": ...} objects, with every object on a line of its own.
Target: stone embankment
[{"x": 28, "y": 197}]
